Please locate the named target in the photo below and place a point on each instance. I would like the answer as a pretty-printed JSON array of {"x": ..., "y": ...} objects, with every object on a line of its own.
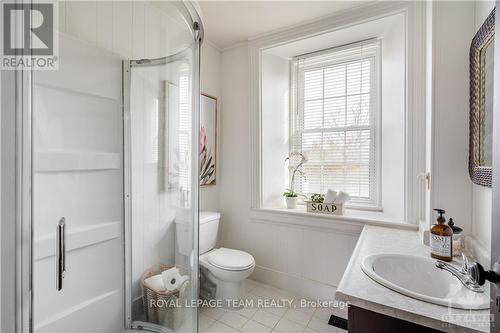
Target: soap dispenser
[
  {"x": 441, "y": 238},
  {"x": 457, "y": 239}
]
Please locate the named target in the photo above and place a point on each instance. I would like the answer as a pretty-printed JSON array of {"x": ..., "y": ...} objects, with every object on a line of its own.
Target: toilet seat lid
[{"x": 230, "y": 259}]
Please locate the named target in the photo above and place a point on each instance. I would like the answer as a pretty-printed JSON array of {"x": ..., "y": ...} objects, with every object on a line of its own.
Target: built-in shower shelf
[
  {"x": 75, "y": 161},
  {"x": 44, "y": 246}
]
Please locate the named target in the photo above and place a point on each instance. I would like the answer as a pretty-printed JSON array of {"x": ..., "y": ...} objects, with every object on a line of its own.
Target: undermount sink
[{"x": 418, "y": 277}]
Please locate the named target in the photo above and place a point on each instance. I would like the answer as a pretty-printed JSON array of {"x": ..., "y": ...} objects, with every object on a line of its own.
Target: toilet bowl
[{"x": 227, "y": 268}]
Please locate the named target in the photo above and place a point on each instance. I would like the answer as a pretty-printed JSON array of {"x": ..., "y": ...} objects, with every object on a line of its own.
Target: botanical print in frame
[{"x": 208, "y": 139}]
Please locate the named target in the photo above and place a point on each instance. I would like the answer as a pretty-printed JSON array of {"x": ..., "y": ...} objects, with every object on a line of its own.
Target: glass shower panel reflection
[{"x": 161, "y": 182}]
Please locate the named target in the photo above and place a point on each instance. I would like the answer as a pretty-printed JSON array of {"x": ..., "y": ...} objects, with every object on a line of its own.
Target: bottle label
[{"x": 441, "y": 245}]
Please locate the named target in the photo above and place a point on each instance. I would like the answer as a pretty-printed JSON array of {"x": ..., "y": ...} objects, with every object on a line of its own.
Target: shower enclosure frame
[
  {"x": 194, "y": 22},
  {"x": 20, "y": 163}
]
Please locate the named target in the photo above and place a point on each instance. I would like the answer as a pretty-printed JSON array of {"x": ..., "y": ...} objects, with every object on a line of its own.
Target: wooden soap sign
[{"x": 325, "y": 208}]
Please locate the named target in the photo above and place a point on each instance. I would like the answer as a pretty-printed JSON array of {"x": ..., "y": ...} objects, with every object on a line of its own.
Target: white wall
[
  {"x": 453, "y": 29},
  {"x": 393, "y": 119},
  {"x": 234, "y": 166},
  {"x": 482, "y": 196}
]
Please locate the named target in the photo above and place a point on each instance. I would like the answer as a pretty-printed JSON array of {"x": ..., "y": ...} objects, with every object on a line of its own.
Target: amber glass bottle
[{"x": 441, "y": 239}]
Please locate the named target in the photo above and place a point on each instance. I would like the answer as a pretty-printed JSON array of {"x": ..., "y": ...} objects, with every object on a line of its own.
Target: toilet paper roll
[
  {"x": 172, "y": 279},
  {"x": 184, "y": 283}
]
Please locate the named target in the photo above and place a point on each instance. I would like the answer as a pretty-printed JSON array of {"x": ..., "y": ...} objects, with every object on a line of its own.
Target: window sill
[{"x": 351, "y": 222}]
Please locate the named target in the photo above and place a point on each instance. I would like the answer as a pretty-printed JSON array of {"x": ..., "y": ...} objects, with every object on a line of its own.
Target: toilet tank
[{"x": 209, "y": 225}]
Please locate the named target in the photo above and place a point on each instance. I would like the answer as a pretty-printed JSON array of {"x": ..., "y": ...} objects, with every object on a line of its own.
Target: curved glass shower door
[{"x": 161, "y": 187}]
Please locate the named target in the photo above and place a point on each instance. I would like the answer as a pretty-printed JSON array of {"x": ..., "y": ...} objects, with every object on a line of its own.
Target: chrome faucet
[{"x": 463, "y": 274}]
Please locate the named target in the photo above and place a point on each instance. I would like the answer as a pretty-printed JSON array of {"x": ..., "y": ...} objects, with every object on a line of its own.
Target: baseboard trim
[{"x": 295, "y": 284}]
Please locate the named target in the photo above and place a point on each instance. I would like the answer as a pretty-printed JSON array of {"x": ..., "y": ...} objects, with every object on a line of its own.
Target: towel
[
  {"x": 341, "y": 198},
  {"x": 330, "y": 196},
  {"x": 155, "y": 282}
]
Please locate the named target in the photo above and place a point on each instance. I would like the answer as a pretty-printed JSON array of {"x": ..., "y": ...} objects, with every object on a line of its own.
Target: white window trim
[
  {"x": 415, "y": 19},
  {"x": 374, "y": 204}
]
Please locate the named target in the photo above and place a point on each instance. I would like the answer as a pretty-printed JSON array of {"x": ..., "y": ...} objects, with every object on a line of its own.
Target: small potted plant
[
  {"x": 291, "y": 199},
  {"x": 317, "y": 198}
]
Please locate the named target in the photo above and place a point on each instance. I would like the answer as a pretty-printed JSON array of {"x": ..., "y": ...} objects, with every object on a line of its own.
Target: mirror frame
[{"x": 480, "y": 174}]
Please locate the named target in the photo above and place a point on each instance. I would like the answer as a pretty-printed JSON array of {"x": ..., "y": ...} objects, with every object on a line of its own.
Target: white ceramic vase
[{"x": 291, "y": 202}]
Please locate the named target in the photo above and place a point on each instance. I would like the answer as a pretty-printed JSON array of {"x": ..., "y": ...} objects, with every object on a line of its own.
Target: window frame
[{"x": 297, "y": 112}]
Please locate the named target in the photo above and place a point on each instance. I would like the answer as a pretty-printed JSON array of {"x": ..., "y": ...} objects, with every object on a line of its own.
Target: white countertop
[{"x": 361, "y": 291}]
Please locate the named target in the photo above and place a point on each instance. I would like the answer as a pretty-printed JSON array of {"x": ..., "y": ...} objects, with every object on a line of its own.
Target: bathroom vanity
[{"x": 376, "y": 308}]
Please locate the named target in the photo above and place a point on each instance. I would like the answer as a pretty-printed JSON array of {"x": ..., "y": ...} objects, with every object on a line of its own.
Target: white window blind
[{"x": 334, "y": 120}]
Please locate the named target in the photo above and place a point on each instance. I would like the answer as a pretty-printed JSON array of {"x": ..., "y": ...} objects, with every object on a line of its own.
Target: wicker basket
[{"x": 168, "y": 316}]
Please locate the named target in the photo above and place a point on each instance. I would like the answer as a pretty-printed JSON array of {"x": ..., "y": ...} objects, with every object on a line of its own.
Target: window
[{"x": 334, "y": 121}]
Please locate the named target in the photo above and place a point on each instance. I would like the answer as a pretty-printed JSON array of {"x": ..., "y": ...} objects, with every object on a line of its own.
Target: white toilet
[{"x": 227, "y": 268}]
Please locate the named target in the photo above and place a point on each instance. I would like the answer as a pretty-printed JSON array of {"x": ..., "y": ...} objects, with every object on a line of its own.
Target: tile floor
[{"x": 256, "y": 319}]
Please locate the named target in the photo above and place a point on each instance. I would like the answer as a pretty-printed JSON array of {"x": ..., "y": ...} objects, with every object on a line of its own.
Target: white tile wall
[
  {"x": 303, "y": 260},
  {"x": 122, "y": 27},
  {"x": 105, "y": 25},
  {"x": 81, "y": 20},
  {"x": 139, "y": 31},
  {"x": 131, "y": 29},
  {"x": 152, "y": 29}
]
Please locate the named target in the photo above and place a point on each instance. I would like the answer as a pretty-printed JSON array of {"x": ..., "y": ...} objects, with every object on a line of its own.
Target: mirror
[
  {"x": 481, "y": 103},
  {"x": 487, "y": 124}
]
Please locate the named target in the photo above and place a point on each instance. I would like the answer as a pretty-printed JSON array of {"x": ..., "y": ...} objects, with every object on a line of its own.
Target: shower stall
[{"x": 109, "y": 171}]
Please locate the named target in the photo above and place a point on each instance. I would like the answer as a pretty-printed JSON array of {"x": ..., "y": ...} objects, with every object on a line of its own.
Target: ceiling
[{"x": 230, "y": 22}]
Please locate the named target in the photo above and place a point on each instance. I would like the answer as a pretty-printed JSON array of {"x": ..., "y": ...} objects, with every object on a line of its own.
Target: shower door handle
[{"x": 60, "y": 253}]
